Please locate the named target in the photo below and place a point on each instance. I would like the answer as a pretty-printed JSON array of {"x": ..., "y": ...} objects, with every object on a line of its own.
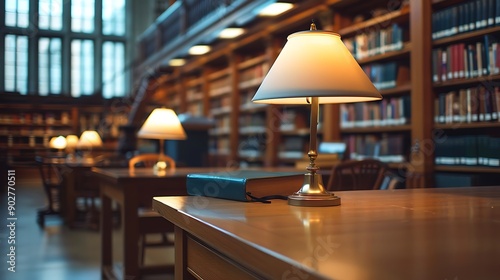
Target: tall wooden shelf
[
  {"x": 254, "y": 134},
  {"x": 27, "y": 123},
  {"x": 458, "y": 134}
]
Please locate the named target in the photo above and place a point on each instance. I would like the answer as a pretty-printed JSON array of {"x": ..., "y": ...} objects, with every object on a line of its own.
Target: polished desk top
[
  {"x": 401, "y": 234},
  {"x": 126, "y": 173}
]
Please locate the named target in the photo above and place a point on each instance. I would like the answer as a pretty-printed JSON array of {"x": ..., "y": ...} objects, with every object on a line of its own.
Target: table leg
[
  {"x": 70, "y": 198},
  {"x": 106, "y": 235},
  {"x": 130, "y": 235}
]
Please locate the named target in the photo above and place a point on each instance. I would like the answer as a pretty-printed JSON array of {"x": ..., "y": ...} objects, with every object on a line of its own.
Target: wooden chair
[
  {"x": 150, "y": 222},
  {"x": 149, "y": 160},
  {"x": 52, "y": 182},
  {"x": 365, "y": 174}
]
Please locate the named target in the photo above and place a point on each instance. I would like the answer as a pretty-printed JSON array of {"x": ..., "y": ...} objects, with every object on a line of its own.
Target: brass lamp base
[
  {"x": 313, "y": 193},
  {"x": 160, "y": 167}
]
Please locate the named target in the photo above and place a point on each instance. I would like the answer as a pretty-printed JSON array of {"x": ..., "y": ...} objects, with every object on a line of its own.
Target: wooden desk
[
  {"x": 132, "y": 189},
  {"x": 399, "y": 234}
]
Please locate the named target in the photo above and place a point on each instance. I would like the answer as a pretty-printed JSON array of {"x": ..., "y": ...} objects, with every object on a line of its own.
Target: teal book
[{"x": 244, "y": 185}]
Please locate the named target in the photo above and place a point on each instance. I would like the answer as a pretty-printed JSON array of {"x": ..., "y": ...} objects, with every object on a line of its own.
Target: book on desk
[{"x": 244, "y": 185}]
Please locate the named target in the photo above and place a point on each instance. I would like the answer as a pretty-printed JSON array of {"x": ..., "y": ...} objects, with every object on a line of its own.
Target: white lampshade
[
  {"x": 162, "y": 123},
  {"x": 71, "y": 141},
  {"x": 58, "y": 142},
  {"x": 90, "y": 139},
  {"x": 315, "y": 64}
]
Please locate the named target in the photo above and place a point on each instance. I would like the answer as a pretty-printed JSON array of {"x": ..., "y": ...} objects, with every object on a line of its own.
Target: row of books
[
  {"x": 293, "y": 147},
  {"x": 220, "y": 105},
  {"x": 48, "y": 118},
  {"x": 382, "y": 75},
  {"x": 251, "y": 147},
  {"x": 376, "y": 41},
  {"x": 465, "y": 17},
  {"x": 386, "y": 148},
  {"x": 218, "y": 146},
  {"x": 468, "y": 150},
  {"x": 464, "y": 61},
  {"x": 194, "y": 93},
  {"x": 196, "y": 108},
  {"x": 388, "y": 111},
  {"x": 220, "y": 86},
  {"x": 252, "y": 73},
  {"x": 248, "y": 123},
  {"x": 476, "y": 104},
  {"x": 293, "y": 119}
]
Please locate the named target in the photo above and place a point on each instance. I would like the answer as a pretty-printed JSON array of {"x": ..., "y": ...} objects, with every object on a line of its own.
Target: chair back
[
  {"x": 50, "y": 174},
  {"x": 365, "y": 174},
  {"x": 149, "y": 160}
]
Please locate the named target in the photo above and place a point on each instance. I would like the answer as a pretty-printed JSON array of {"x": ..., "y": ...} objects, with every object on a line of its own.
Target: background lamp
[
  {"x": 315, "y": 68},
  {"x": 88, "y": 140},
  {"x": 162, "y": 124},
  {"x": 58, "y": 143},
  {"x": 71, "y": 143}
]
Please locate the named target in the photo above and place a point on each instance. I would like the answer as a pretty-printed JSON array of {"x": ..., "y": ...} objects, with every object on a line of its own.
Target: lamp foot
[
  {"x": 313, "y": 193},
  {"x": 326, "y": 199}
]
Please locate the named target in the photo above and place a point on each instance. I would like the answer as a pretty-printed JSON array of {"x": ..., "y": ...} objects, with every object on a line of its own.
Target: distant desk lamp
[
  {"x": 88, "y": 140},
  {"x": 58, "y": 143},
  {"x": 315, "y": 67},
  {"x": 162, "y": 124},
  {"x": 71, "y": 143}
]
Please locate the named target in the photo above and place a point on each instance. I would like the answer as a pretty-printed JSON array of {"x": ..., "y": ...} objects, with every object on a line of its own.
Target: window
[
  {"x": 82, "y": 16},
  {"x": 82, "y": 67},
  {"x": 50, "y": 14},
  {"x": 70, "y": 47},
  {"x": 49, "y": 66},
  {"x": 17, "y": 13},
  {"x": 16, "y": 63},
  {"x": 113, "y": 17},
  {"x": 113, "y": 69}
]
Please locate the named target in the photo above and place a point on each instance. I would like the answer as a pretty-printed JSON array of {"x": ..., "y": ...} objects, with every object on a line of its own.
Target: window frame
[{"x": 67, "y": 36}]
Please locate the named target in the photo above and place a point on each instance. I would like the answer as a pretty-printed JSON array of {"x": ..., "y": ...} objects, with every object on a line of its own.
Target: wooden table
[
  {"x": 131, "y": 189},
  {"x": 398, "y": 234}
]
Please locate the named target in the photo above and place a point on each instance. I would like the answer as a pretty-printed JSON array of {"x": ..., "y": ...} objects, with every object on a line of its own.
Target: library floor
[{"x": 54, "y": 252}]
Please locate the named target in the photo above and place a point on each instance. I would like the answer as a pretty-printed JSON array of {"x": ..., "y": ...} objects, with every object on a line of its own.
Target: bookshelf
[
  {"x": 465, "y": 77},
  {"x": 27, "y": 123},
  {"x": 378, "y": 36},
  {"x": 393, "y": 42}
]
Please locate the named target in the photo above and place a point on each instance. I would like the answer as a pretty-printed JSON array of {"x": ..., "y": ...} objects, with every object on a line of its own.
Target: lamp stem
[
  {"x": 162, "y": 150},
  {"x": 313, "y": 192},
  {"x": 313, "y": 137}
]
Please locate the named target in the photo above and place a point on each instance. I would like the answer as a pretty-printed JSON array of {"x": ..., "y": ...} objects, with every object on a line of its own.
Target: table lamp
[
  {"x": 89, "y": 140},
  {"x": 58, "y": 143},
  {"x": 71, "y": 143},
  {"x": 315, "y": 68},
  {"x": 162, "y": 124}
]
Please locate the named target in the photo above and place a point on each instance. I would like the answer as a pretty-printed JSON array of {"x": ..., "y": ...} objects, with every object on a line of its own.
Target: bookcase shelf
[
  {"x": 397, "y": 16},
  {"x": 378, "y": 129},
  {"x": 398, "y": 90},
  {"x": 465, "y": 126},
  {"x": 391, "y": 55},
  {"x": 464, "y": 82},
  {"x": 466, "y": 36},
  {"x": 467, "y": 169}
]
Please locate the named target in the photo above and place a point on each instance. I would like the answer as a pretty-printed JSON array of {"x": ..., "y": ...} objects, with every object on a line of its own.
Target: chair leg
[{"x": 142, "y": 245}]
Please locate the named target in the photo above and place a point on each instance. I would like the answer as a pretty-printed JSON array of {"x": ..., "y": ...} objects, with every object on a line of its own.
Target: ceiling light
[
  {"x": 177, "y": 62},
  {"x": 231, "y": 32},
  {"x": 199, "y": 49},
  {"x": 275, "y": 9}
]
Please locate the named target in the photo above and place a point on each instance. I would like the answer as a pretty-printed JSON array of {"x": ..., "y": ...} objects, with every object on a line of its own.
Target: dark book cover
[{"x": 238, "y": 184}]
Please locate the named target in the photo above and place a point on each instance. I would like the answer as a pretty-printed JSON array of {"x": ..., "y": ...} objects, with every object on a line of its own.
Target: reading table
[{"x": 379, "y": 234}]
